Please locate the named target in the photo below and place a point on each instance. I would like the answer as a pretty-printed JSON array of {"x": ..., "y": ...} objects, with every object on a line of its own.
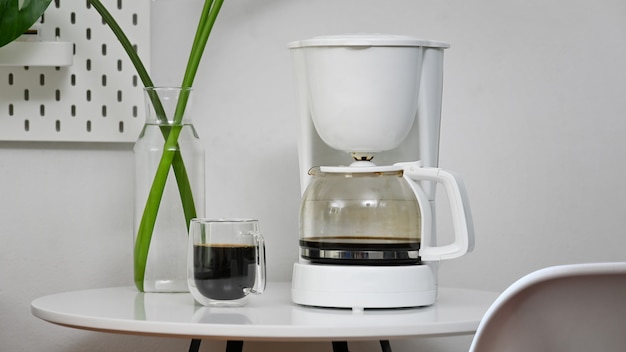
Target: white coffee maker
[{"x": 365, "y": 99}]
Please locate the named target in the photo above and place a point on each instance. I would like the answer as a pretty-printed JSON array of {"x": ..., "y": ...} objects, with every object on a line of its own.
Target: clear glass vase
[{"x": 169, "y": 158}]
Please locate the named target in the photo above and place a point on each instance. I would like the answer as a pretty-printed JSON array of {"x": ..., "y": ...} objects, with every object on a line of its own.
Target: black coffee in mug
[{"x": 222, "y": 271}]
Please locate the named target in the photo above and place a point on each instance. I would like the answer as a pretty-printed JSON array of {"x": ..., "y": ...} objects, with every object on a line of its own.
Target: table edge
[{"x": 259, "y": 333}]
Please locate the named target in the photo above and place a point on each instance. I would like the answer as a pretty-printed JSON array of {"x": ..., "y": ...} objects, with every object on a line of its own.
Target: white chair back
[{"x": 578, "y": 307}]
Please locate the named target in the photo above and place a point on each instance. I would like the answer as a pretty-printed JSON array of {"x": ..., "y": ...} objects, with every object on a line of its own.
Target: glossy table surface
[{"x": 270, "y": 316}]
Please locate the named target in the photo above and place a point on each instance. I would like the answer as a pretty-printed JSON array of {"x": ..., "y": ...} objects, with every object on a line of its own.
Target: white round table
[{"x": 270, "y": 316}]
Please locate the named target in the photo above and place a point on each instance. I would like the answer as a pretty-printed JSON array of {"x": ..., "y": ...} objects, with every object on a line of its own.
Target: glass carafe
[
  {"x": 360, "y": 217},
  {"x": 378, "y": 216}
]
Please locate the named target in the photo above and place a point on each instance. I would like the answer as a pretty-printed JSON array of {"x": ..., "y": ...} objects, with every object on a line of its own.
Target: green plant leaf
[{"x": 15, "y": 20}]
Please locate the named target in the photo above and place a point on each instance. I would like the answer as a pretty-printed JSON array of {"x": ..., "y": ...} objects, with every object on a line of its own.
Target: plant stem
[
  {"x": 208, "y": 17},
  {"x": 171, "y": 153},
  {"x": 207, "y": 20}
]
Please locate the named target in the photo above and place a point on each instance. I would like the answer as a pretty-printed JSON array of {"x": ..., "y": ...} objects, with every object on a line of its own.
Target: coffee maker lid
[{"x": 366, "y": 40}]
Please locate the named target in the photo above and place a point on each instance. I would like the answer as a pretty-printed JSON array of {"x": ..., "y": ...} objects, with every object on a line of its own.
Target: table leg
[
  {"x": 195, "y": 345},
  {"x": 340, "y": 346},
  {"x": 237, "y": 346},
  {"x": 234, "y": 346}
]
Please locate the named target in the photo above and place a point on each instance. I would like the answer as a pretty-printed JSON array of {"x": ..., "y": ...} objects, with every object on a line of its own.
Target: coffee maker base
[{"x": 359, "y": 287}]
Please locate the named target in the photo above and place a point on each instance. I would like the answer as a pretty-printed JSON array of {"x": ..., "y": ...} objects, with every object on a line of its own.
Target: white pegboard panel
[{"x": 98, "y": 98}]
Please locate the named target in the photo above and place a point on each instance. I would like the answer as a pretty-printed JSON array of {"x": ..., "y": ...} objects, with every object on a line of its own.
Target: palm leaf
[{"x": 15, "y": 20}]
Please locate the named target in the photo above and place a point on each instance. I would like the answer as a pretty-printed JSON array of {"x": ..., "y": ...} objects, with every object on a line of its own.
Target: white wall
[{"x": 533, "y": 119}]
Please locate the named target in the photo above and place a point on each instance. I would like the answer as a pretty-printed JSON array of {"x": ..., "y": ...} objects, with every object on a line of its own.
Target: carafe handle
[{"x": 459, "y": 211}]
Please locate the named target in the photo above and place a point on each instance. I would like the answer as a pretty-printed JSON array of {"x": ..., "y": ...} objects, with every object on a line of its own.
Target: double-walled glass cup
[{"x": 226, "y": 261}]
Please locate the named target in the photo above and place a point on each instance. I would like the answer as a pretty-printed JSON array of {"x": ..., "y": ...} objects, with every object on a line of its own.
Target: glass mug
[{"x": 225, "y": 261}]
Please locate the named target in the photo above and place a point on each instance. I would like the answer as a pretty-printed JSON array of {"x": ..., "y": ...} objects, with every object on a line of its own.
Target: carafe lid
[
  {"x": 366, "y": 40},
  {"x": 359, "y": 169},
  {"x": 362, "y": 166}
]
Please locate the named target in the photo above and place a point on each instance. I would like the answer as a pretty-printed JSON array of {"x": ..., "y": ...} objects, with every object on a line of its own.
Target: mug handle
[
  {"x": 260, "y": 281},
  {"x": 459, "y": 210}
]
